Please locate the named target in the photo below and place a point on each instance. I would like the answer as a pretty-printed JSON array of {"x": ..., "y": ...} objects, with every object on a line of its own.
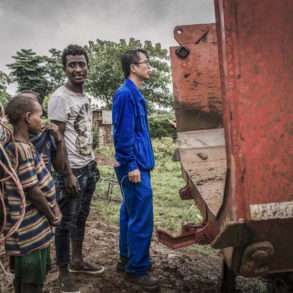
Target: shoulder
[
  {"x": 25, "y": 151},
  {"x": 59, "y": 94},
  {"x": 122, "y": 94},
  {"x": 60, "y": 91},
  {"x": 123, "y": 90}
]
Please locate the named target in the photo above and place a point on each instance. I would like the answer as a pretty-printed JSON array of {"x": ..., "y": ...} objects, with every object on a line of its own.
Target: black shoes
[
  {"x": 86, "y": 268},
  {"x": 147, "y": 282}
]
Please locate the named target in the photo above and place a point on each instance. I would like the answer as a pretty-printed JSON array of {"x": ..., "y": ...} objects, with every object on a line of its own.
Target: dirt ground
[
  {"x": 196, "y": 269},
  {"x": 183, "y": 271}
]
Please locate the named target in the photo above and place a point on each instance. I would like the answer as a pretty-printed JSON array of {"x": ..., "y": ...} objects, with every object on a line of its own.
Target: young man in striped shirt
[{"x": 29, "y": 245}]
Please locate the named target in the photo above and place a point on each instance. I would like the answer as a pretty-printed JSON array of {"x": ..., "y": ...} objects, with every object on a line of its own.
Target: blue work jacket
[{"x": 133, "y": 147}]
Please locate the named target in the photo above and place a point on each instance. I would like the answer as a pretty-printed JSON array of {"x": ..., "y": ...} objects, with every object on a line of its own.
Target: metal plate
[
  {"x": 203, "y": 158},
  {"x": 196, "y": 81}
]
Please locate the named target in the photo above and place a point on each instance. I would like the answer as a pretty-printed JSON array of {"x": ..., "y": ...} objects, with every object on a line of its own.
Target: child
[
  {"x": 29, "y": 245},
  {"x": 49, "y": 142}
]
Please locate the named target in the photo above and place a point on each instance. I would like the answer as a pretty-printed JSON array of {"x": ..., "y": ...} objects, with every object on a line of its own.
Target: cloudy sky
[{"x": 44, "y": 24}]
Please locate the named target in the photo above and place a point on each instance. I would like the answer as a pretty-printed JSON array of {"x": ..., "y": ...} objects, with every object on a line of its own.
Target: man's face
[
  {"x": 34, "y": 119},
  {"x": 76, "y": 69},
  {"x": 142, "y": 69}
]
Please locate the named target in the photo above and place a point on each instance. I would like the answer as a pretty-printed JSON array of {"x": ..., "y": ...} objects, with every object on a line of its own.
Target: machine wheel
[{"x": 228, "y": 280}]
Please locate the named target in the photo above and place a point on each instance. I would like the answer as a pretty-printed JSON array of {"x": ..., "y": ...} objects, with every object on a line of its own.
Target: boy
[{"x": 29, "y": 245}]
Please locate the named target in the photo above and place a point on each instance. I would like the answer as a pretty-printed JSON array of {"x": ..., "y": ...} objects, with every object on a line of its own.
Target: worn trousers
[
  {"x": 75, "y": 211},
  {"x": 136, "y": 221}
]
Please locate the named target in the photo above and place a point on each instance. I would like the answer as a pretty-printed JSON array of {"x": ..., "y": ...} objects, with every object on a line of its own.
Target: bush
[{"x": 160, "y": 125}]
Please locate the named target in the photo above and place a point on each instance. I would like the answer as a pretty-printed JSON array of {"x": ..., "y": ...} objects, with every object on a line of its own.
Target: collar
[{"x": 131, "y": 85}]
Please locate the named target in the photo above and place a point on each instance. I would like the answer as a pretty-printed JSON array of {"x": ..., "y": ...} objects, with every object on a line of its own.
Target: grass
[{"x": 170, "y": 211}]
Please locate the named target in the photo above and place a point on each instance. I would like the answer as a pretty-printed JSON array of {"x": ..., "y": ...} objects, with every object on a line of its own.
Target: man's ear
[{"x": 132, "y": 68}]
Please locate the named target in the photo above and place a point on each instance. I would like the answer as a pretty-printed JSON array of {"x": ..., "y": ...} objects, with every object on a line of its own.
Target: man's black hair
[
  {"x": 131, "y": 57},
  {"x": 17, "y": 106},
  {"x": 74, "y": 50}
]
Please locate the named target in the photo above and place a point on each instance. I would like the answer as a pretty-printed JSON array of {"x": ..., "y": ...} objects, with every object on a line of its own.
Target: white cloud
[{"x": 43, "y": 24}]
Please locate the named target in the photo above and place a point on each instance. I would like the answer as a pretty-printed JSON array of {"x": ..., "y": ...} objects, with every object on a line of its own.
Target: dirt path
[{"x": 179, "y": 271}]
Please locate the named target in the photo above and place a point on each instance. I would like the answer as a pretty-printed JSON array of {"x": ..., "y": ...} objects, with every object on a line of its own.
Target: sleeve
[
  {"x": 57, "y": 108},
  {"x": 124, "y": 129},
  {"x": 26, "y": 168}
]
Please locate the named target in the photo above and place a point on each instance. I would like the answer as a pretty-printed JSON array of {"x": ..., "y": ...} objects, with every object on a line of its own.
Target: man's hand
[
  {"x": 54, "y": 130},
  {"x": 71, "y": 184},
  {"x": 134, "y": 176}
]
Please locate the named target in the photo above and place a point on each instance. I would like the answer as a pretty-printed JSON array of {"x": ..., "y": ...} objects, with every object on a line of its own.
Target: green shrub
[{"x": 160, "y": 125}]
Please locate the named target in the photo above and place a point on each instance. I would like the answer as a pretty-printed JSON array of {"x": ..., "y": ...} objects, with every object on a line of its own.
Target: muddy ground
[
  {"x": 196, "y": 269},
  {"x": 191, "y": 270}
]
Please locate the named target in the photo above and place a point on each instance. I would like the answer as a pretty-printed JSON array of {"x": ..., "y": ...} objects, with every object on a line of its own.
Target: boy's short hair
[
  {"x": 74, "y": 50},
  {"x": 17, "y": 106},
  {"x": 31, "y": 92},
  {"x": 131, "y": 57}
]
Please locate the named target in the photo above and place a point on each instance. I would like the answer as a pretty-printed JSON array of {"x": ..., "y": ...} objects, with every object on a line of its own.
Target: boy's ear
[{"x": 27, "y": 117}]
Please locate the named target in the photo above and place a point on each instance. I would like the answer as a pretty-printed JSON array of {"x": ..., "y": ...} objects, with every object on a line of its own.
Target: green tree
[
  {"x": 4, "y": 81},
  {"x": 105, "y": 73},
  {"x": 29, "y": 71},
  {"x": 160, "y": 125},
  {"x": 54, "y": 69}
]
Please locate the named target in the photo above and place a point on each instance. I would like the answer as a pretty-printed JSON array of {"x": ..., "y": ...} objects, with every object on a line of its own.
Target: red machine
[{"x": 241, "y": 178}]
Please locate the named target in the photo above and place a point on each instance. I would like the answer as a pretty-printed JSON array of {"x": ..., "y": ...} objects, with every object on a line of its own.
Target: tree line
[{"x": 44, "y": 73}]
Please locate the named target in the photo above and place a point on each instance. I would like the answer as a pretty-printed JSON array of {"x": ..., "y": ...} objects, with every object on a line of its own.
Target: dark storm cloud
[{"x": 43, "y": 24}]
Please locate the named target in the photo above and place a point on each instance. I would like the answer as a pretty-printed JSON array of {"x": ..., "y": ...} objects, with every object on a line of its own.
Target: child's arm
[{"x": 38, "y": 199}]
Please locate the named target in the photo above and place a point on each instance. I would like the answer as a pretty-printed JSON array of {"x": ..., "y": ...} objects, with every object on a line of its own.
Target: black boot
[{"x": 147, "y": 282}]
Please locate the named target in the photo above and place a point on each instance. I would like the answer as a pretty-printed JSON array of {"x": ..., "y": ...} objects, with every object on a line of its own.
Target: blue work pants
[{"x": 136, "y": 221}]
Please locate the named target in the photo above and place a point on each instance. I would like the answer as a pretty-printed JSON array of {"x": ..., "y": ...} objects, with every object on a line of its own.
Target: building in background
[{"x": 102, "y": 127}]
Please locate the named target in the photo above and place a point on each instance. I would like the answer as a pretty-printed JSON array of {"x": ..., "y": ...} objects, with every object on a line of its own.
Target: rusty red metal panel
[
  {"x": 255, "y": 41},
  {"x": 198, "y": 105},
  {"x": 196, "y": 80}
]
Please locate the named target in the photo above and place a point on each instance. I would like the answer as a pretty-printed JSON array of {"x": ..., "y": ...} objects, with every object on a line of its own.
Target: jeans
[
  {"x": 75, "y": 210},
  {"x": 136, "y": 221}
]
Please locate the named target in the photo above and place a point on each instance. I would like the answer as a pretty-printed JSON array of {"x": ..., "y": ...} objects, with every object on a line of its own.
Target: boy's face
[
  {"x": 34, "y": 119},
  {"x": 76, "y": 69}
]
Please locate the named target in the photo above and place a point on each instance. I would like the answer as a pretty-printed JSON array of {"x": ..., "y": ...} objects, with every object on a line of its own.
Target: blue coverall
[{"x": 133, "y": 150}]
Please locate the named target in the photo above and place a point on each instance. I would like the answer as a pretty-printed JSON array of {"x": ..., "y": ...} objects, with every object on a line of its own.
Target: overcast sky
[{"x": 44, "y": 24}]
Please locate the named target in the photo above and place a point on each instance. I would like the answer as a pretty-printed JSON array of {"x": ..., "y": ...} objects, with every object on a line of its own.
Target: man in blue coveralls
[{"x": 135, "y": 159}]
